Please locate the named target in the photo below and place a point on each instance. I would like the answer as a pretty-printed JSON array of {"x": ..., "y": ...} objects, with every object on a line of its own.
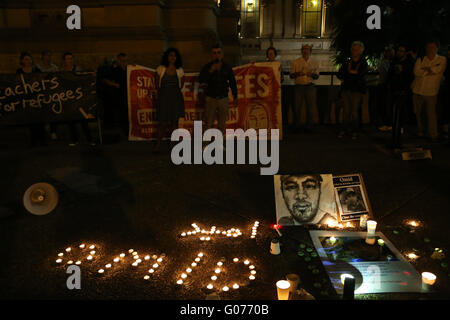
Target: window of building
[
  {"x": 312, "y": 18},
  {"x": 250, "y": 15}
]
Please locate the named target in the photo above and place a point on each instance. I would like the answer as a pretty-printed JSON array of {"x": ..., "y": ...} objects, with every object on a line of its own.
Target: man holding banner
[{"x": 217, "y": 77}]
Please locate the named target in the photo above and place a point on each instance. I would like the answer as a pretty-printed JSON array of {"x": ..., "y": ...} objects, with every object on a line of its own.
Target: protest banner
[
  {"x": 46, "y": 97},
  {"x": 259, "y": 100}
]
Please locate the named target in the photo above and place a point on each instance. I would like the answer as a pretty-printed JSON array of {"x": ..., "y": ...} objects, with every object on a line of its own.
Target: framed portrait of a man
[
  {"x": 351, "y": 197},
  {"x": 304, "y": 199}
]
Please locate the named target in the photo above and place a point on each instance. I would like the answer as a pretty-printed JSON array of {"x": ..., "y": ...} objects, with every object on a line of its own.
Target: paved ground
[{"x": 121, "y": 196}]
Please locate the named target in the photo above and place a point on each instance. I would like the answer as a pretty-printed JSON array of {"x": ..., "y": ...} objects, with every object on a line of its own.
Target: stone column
[
  {"x": 289, "y": 19},
  {"x": 268, "y": 9},
  {"x": 298, "y": 21},
  {"x": 278, "y": 19}
]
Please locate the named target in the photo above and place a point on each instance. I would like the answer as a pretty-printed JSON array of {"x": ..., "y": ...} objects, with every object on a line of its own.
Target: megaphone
[{"x": 40, "y": 199}]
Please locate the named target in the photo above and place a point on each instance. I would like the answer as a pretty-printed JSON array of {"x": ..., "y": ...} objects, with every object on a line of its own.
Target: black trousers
[
  {"x": 74, "y": 137},
  {"x": 399, "y": 99},
  {"x": 37, "y": 134}
]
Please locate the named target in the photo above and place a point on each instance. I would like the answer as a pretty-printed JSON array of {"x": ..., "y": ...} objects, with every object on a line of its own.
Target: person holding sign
[
  {"x": 37, "y": 130},
  {"x": 170, "y": 81}
]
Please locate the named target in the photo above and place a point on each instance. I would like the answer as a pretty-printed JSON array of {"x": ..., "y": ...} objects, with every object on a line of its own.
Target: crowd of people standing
[{"x": 407, "y": 84}]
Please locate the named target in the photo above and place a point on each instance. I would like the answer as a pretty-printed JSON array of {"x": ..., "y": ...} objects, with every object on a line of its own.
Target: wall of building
[{"x": 141, "y": 28}]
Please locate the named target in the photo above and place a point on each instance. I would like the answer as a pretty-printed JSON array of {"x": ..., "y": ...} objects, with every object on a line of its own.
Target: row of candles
[
  {"x": 134, "y": 254},
  {"x": 206, "y": 235},
  {"x": 217, "y": 271}
]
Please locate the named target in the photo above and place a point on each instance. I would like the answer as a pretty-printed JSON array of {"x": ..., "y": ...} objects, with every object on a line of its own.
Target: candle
[
  {"x": 92, "y": 252},
  {"x": 159, "y": 260},
  {"x": 188, "y": 270},
  {"x": 130, "y": 251},
  {"x": 225, "y": 288},
  {"x": 235, "y": 286},
  {"x": 180, "y": 281},
  {"x": 428, "y": 278},
  {"x": 138, "y": 260},
  {"x": 183, "y": 275},
  {"x": 371, "y": 227},
  {"x": 293, "y": 281},
  {"x": 283, "y": 287},
  {"x": 332, "y": 240},
  {"x": 246, "y": 262},
  {"x": 155, "y": 265},
  {"x": 343, "y": 276},
  {"x": 146, "y": 277},
  {"x": 200, "y": 254},
  {"x": 92, "y": 247},
  {"x": 78, "y": 262},
  {"x": 89, "y": 257},
  {"x": 380, "y": 242},
  {"x": 220, "y": 263},
  {"x": 363, "y": 220},
  {"x": 214, "y": 278},
  {"x": 134, "y": 253},
  {"x": 101, "y": 271},
  {"x": 235, "y": 260},
  {"x": 69, "y": 262},
  {"x": 197, "y": 259},
  {"x": 60, "y": 254},
  {"x": 412, "y": 256},
  {"x": 58, "y": 260},
  {"x": 193, "y": 264},
  {"x": 82, "y": 246},
  {"x": 210, "y": 286},
  {"x": 151, "y": 271},
  {"x": 253, "y": 272},
  {"x": 252, "y": 277},
  {"x": 183, "y": 234},
  {"x": 122, "y": 255},
  {"x": 217, "y": 271},
  {"x": 68, "y": 249}
]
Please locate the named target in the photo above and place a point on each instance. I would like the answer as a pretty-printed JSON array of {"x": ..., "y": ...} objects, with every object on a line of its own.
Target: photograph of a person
[
  {"x": 304, "y": 199},
  {"x": 351, "y": 199}
]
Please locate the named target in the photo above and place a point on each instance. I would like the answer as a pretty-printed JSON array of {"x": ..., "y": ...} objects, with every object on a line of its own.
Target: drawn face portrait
[
  {"x": 257, "y": 117},
  {"x": 302, "y": 196}
]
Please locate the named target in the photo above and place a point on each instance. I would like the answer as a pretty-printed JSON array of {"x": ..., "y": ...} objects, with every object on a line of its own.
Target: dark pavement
[{"x": 121, "y": 196}]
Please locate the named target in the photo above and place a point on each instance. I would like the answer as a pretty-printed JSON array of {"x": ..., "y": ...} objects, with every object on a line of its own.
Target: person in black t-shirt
[{"x": 399, "y": 79}]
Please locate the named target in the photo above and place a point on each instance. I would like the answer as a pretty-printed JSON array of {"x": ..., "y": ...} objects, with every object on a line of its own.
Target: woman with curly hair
[{"x": 170, "y": 81}]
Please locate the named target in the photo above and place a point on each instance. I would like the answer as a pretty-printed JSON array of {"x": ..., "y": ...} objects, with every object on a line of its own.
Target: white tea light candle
[{"x": 283, "y": 288}]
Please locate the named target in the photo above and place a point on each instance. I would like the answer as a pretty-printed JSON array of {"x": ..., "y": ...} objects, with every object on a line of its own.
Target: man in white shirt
[
  {"x": 305, "y": 71},
  {"x": 428, "y": 73}
]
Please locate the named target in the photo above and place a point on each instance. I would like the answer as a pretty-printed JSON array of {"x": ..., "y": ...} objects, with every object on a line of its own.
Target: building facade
[{"x": 145, "y": 28}]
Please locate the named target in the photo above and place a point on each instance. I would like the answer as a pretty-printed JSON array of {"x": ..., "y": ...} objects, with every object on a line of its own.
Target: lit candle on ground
[
  {"x": 58, "y": 260},
  {"x": 428, "y": 280},
  {"x": 101, "y": 271},
  {"x": 225, "y": 288},
  {"x": 193, "y": 264},
  {"x": 108, "y": 265},
  {"x": 413, "y": 223},
  {"x": 135, "y": 253},
  {"x": 214, "y": 278},
  {"x": 183, "y": 234},
  {"x": 371, "y": 227},
  {"x": 130, "y": 251},
  {"x": 183, "y": 275},
  {"x": 332, "y": 240},
  {"x": 220, "y": 263},
  {"x": 283, "y": 287},
  {"x": 60, "y": 254},
  {"x": 210, "y": 286},
  {"x": 134, "y": 264},
  {"x": 70, "y": 262},
  {"x": 92, "y": 247},
  {"x": 138, "y": 260},
  {"x": 235, "y": 260},
  {"x": 116, "y": 260},
  {"x": 68, "y": 249},
  {"x": 380, "y": 242},
  {"x": 251, "y": 267},
  {"x": 155, "y": 265},
  {"x": 78, "y": 262},
  {"x": 252, "y": 277},
  {"x": 151, "y": 271},
  {"x": 82, "y": 246},
  {"x": 200, "y": 254},
  {"x": 346, "y": 275},
  {"x": 188, "y": 270},
  {"x": 197, "y": 260},
  {"x": 253, "y": 272},
  {"x": 89, "y": 257},
  {"x": 235, "y": 286},
  {"x": 412, "y": 256},
  {"x": 180, "y": 281},
  {"x": 159, "y": 259},
  {"x": 246, "y": 262},
  {"x": 146, "y": 277},
  {"x": 122, "y": 255},
  {"x": 92, "y": 252},
  {"x": 217, "y": 271}
]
